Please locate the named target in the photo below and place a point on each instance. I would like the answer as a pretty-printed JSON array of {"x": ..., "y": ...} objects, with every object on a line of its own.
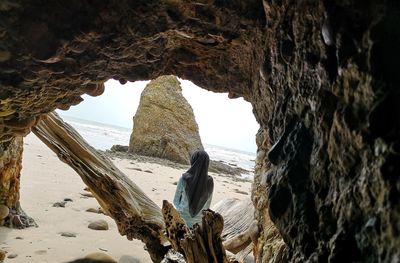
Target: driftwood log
[
  {"x": 200, "y": 244},
  {"x": 136, "y": 215},
  {"x": 240, "y": 233}
]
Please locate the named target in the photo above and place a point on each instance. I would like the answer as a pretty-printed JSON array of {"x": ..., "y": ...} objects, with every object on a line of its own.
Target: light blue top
[{"x": 181, "y": 204}]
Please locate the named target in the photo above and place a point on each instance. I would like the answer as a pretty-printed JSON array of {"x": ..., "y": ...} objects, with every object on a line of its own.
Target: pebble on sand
[
  {"x": 12, "y": 255},
  {"x": 95, "y": 210},
  {"x": 98, "y": 225},
  {"x": 99, "y": 256},
  {"x": 68, "y": 234},
  {"x": 87, "y": 195},
  {"x": 59, "y": 204},
  {"x": 128, "y": 259}
]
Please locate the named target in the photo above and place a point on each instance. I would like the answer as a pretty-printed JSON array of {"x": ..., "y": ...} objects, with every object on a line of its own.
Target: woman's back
[
  {"x": 194, "y": 189},
  {"x": 181, "y": 203}
]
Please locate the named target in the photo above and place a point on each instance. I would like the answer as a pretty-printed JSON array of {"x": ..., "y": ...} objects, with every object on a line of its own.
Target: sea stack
[{"x": 164, "y": 125}]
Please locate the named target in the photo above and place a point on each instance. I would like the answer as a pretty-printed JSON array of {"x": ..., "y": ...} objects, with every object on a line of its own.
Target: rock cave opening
[
  {"x": 49, "y": 207},
  {"x": 321, "y": 78}
]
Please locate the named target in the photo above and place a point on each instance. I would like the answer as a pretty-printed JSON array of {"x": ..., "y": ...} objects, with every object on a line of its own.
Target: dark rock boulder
[
  {"x": 119, "y": 148},
  {"x": 164, "y": 124}
]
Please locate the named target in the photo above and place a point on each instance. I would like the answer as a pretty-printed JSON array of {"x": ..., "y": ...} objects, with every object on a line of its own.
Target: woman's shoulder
[{"x": 181, "y": 180}]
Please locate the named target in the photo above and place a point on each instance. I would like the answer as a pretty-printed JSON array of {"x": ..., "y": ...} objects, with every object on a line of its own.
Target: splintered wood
[{"x": 202, "y": 243}]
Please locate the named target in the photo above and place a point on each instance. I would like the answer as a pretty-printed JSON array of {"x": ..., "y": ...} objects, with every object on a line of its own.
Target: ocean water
[{"x": 102, "y": 136}]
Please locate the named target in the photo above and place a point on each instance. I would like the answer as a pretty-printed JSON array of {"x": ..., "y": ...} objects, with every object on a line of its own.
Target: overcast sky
[{"x": 222, "y": 121}]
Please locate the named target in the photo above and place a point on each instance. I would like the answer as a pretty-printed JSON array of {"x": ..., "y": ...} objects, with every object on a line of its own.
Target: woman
[{"x": 194, "y": 190}]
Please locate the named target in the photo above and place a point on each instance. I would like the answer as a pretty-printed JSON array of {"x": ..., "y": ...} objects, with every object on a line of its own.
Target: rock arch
[{"x": 320, "y": 76}]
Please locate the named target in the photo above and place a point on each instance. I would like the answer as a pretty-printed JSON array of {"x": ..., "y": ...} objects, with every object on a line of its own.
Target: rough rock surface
[
  {"x": 164, "y": 125},
  {"x": 321, "y": 76},
  {"x": 10, "y": 168}
]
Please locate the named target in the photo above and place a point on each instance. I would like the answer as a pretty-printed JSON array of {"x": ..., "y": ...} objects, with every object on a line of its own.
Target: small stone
[
  {"x": 17, "y": 222},
  {"x": 68, "y": 234},
  {"x": 59, "y": 204},
  {"x": 148, "y": 171},
  {"x": 99, "y": 256},
  {"x": 98, "y": 225},
  {"x": 135, "y": 168},
  {"x": 240, "y": 192},
  {"x": 87, "y": 194},
  {"x": 119, "y": 148},
  {"x": 4, "y": 211},
  {"x": 128, "y": 259},
  {"x": 92, "y": 210},
  {"x": 19, "y": 238},
  {"x": 95, "y": 210},
  {"x": 12, "y": 255},
  {"x": 68, "y": 200}
]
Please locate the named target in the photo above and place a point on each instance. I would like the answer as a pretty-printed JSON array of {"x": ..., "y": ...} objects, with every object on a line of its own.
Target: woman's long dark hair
[{"x": 199, "y": 185}]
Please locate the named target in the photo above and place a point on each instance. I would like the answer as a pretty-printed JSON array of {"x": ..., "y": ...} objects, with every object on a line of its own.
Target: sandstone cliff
[
  {"x": 164, "y": 124},
  {"x": 321, "y": 76}
]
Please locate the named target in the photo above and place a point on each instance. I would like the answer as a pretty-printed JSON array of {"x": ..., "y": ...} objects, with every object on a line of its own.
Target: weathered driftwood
[
  {"x": 240, "y": 231},
  {"x": 202, "y": 243},
  {"x": 136, "y": 215}
]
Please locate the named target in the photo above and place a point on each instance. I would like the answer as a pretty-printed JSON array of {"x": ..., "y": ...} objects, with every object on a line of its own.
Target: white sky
[{"x": 222, "y": 121}]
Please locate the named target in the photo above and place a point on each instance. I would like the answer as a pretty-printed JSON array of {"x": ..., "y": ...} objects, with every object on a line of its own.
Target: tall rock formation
[{"x": 164, "y": 123}]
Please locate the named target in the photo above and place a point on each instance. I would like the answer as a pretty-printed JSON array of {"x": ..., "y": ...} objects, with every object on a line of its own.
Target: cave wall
[
  {"x": 333, "y": 170},
  {"x": 11, "y": 214},
  {"x": 320, "y": 75}
]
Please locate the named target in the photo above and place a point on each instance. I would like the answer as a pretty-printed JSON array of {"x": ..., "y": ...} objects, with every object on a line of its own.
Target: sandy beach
[{"x": 45, "y": 180}]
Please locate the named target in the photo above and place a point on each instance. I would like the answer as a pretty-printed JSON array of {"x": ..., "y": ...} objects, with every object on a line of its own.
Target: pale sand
[{"x": 46, "y": 180}]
